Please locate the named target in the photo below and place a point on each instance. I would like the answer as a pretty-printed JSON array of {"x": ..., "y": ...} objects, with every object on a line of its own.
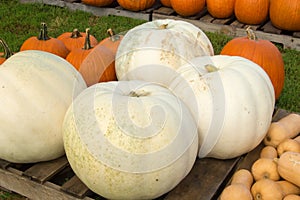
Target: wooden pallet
[
  {"x": 203, "y": 20},
  {"x": 55, "y": 180}
]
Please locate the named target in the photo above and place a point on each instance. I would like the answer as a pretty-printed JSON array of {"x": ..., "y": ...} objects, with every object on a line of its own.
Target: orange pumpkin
[
  {"x": 45, "y": 43},
  {"x": 166, "y": 3},
  {"x": 77, "y": 55},
  {"x": 263, "y": 53},
  {"x": 285, "y": 14},
  {"x": 220, "y": 8},
  {"x": 188, "y": 7},
  {"x": 6, "y": 51},
  {"x": 76, "y": 39},
  {"x": 112, "y": 41},
  {"x": 251, "y": 11},
  {"x": 136, "y": 5},
  {"x": 98, "y": 66},
  {"x": 99, "y": 3}
]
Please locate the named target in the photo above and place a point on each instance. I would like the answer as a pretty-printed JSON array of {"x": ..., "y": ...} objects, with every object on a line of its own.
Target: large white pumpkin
[
  {"x": 36, "y": 89},
  {"x": 231, "y": 98},
  {"x": 130, "y": 139},
  {"x": 154, "y": 50}
]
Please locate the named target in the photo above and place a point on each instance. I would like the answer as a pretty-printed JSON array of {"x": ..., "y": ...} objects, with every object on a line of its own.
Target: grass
[{"x": 21, "y": 21}]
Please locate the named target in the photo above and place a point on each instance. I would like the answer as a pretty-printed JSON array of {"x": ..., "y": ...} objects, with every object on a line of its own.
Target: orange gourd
[
  {"x": 98, "y": 66},
  {"x": 77, "y": 55},
  {"x": 45, "y": 43},
  {"x": 76, "y": 39},
  {"x": 188, "y": 7},
  {"x": 286, "y": 127},
  {"x": 266, "y": 189},
  {"x": 285, "y": 14},
  {"x": 99, "y": 3},
  {"x": 265, "y": 168},
  {"x": 136, "y": 5},
  {"x": 6, "y": 51},
  {"x": 252, "y": 12},
  {"x": 112, "y": 42},
  {"x": 220, "y": 8},
  {"x": 262, "y": 52},
  {"x": 166, "y": 3}
]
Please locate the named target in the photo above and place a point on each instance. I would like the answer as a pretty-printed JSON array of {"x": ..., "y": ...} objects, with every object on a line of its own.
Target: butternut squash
[
  {"x": 265, "y": 168},
  {"x": 288, "y": 187},
  {"x": 292, "y": 197},
  {"x": 266, "y": 189},
  {"x": 268, "y": 152},
  {"x": 242, "y": 176},
  {"x": 297, "y": 138},
  {"x": 289, "y": 167},
  {"x": 288, "y": 145},
  {"x": 286, "y": 127}
]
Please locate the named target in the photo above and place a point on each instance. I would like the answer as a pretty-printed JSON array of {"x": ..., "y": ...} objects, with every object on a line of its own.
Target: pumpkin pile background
[{"x": 112, "y": 74}]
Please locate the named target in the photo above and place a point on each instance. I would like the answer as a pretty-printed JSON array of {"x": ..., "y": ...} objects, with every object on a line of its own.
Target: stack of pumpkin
[
  {"x": 275, "y": 174},
  {"x": 138, "y": 137}
]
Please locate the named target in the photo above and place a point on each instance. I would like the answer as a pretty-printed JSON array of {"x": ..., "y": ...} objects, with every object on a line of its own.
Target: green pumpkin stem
[
  {"x": 6, "y": 51},
  {"x": 75, "y": 33},
  {"x": 113, "y": 37},
  {"x": 87, "y": 43},
  {"x": 250, "y": 33},
  {"x": 43, "y": 33},
  {"x": 211, "y": 68}
]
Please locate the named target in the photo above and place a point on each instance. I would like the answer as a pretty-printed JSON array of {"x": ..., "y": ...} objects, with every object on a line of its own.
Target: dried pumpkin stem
[
  {"x": 138, "y": 93},
  {"x": 87, "y": 43},
  {"x": 113, "y": 37},
  {"x": 211, "y": 68},
  {"x": 250, "y": 33},
  {"x": 163, "y": 26},
  {"x": 44, "y": 32},
  {"x": 75, "y": 33},
  {"x": 6, "y": 51}
]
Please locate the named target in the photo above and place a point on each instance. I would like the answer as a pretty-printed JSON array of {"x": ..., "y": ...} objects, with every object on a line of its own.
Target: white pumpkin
[
  {"x": 130, "y": 139},
  {"x": 231, "y": 98},
  {"x": 36, "y": 89},
  {"x": 154, "y": 50}
]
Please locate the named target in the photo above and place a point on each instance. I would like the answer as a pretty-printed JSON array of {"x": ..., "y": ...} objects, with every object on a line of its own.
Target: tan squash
[
  {"x": 288, "y": 145},
  {"x": 292, "y": 197},
  {"x": 242, "y": 176},
  {"x": 268, "y": 152},
  {"x": 288, "y": 187},
  {"x": 297, "y": 138},
  {"x": 289, "y": 167},
  {"x": 236, "y": 192},
  {"x": 266, "y": 189},
  {"x": 286, "y": 127},
  {"x": 265, "y": 168}
]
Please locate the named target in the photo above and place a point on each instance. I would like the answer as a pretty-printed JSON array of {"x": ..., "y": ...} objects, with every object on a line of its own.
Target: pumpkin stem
[
  {"x": 75, "y": 33},
  {"x": 138, "y": 93},
  {"x": 113, "y": 37},
  {"x": 87, "y": 43},
  {"x": 43, "y": 33},
  {"x": 250, "y": 33},
  {"x": 163, "y": 26},
  {"x": 211, "y": 68},
  {"x": 6, "y": 51}
]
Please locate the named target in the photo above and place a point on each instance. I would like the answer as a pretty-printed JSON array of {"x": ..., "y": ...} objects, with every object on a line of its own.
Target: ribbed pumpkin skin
[
  {"x": 285, "y": 14},
  {"x": 136, "y": 5},
  {"x": 188, "y": 7},
  {"x": 220, "y": 8},
  {"x": 99, "y": 3},
  {"x": 76, "y": 41},
  {"x": 251, "y": 11},
  {"x": 166, "y": 3},
  {"x": 263, "y": 53}
]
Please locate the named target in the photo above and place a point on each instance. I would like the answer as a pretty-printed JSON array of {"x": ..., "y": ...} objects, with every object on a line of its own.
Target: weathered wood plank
[
  {"x": 43, "y": 171},
  {"x": 4, "y": 164},
  {"x": 203, "y": 182},
  {"x": 75, "y": 187},
  {"x": 32, "y": 189}
]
